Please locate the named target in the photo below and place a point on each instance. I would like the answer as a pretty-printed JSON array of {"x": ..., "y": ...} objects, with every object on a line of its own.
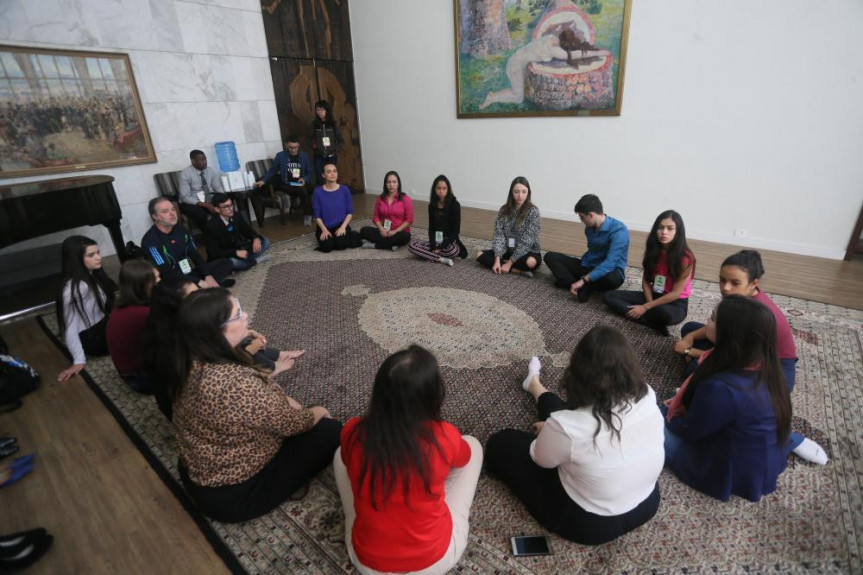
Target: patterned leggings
[{"x": 423, "y": 250}]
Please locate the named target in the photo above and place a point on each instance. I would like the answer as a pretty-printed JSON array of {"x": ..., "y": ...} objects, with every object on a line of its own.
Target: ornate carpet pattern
[{"x": 349, "y": 310}]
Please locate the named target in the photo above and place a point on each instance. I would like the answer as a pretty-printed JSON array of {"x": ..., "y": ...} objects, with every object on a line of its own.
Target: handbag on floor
[{"x": 17, "y": 379}]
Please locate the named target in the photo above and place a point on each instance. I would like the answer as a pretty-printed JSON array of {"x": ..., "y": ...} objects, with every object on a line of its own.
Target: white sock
[
  {"x": 532, "y": 371},
  {"x": 368, "y": 245},
  {"x": 446, "y": 262},
  {"x": 395, "y": 248},
  {"x": 811, "y": 451}
]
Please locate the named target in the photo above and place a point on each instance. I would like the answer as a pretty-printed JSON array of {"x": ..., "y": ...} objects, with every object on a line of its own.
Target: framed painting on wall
[
  {"x": 540, "y": 57},
  {"x": 66, "y": 111}
]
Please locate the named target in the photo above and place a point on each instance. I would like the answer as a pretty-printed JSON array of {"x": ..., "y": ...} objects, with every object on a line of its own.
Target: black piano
[{"x": 35, "y": 209}]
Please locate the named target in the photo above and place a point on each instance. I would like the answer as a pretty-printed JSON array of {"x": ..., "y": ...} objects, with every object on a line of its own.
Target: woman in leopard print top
[{"x": 245, "y": 446}]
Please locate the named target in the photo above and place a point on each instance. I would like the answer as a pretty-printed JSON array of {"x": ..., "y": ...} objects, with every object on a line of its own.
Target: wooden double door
[{"x": 311, "y": 59}]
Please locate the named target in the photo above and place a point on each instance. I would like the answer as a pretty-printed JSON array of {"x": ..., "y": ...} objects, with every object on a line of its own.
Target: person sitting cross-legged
[{"x": 232, "y": 237}]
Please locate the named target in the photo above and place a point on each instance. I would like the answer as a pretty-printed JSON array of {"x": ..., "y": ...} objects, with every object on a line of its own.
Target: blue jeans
[{"x": 241, "y": 264}]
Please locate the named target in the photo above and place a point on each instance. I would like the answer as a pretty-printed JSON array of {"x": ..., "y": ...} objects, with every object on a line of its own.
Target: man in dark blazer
[{"x": 232, "y": 237}]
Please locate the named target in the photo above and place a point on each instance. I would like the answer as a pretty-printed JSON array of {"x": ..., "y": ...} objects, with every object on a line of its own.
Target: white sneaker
[
  {"x": 395, "y": 248},
  {"x": 307, "y": 220},
  {"x": 447, "y": 262}
]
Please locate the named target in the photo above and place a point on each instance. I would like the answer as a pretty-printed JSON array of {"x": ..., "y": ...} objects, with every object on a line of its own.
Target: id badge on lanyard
[
  {"x": 388, "y": 225},
  {"x": 438, "y": 237},
  {"x": 659, "y": 284},
  {"x": 185, "y": 266}
]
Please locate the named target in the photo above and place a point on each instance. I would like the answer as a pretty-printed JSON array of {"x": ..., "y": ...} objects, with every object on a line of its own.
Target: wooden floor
[{"x": 109, "y": 511}]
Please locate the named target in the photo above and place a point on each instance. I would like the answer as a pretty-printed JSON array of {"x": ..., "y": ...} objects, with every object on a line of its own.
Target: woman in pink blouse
[{"x": 394, "y": 214}]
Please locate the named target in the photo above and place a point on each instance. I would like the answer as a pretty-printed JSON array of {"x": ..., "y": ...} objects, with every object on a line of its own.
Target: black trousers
[
  {"x": 351, "y": 239},
  {"x": 94, "y": 339},
  {"x": 568, "y": 269},
  {"x": 659, "y": 318},
  {"x": 219, "y": 269},
  {"x": 297, "y": 462},
  {"x": 486, "y": 258},
  {"x": 373, "y": 234},
  {"x": 302, "y": 192},
  {"x": 507, "y": 456},
  {"x": 197, "y": 214}
]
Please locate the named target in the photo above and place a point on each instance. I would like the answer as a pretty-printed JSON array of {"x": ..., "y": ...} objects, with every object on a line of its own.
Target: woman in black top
[
  {"x": 444, "y": 226},
  {"x": 326, "y": 139}
]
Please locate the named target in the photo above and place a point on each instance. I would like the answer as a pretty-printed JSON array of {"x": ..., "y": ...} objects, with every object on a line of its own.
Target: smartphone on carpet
[{"x": 527, "y": 546}]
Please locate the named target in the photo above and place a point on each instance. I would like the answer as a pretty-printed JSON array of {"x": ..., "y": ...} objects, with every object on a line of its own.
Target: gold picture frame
[
  {"x": 69, "y": 111},
  {"x": 540, "y": 57}
]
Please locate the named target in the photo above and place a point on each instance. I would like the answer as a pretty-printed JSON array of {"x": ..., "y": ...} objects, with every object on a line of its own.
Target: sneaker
[
  {"x": 228, "y": 283},
  {"x": 368, "y": 245},
  {"x": 307, "y": 221},
  {"x": 527, "y": 274},
  {"x": 264, "y": 258},
  {"x": 395, "y": 248},
  {"x": 447, "y": 262}
]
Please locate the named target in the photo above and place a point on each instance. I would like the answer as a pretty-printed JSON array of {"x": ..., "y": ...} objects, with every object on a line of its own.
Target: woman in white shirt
[
  {"x": 85, "y": 302},
  {"x": 590, "y": 474}
]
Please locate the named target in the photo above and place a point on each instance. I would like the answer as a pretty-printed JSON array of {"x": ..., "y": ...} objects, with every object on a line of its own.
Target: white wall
[
  {"x": 738, "y": 114},
  {"x": 202, "y": 74}
]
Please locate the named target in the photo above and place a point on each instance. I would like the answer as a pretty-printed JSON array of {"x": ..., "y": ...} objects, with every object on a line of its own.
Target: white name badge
[
  {"x": 511, "y": 242},
  {"x": 438, "y": 237},
  {"x": 296, "y": 173},
  {"x": 326, "y": 141},
  {"x": 387, "y": 225},
  {"x": 185, "y": 266},
  {"x": 202, "y": 197},
  {"x": 659, "y": 284}
]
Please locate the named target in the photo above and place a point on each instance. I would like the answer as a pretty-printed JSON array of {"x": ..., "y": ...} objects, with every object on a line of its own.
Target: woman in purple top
[
  {"x": 731, "y": 438},
  {"x": 334, "y": 210}
]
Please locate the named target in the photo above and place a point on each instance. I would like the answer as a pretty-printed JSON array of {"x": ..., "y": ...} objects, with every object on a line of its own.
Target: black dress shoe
[
  {"x": 8, "y": 450},
  {"x": 18, "y": 538},
  {"x": 7, "y": 441},
  {"x": 31, "y": 551},
  {"x": 227, "y": 283}
]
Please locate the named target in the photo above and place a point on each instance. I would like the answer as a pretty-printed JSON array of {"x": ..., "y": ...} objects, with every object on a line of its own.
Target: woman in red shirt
[{"x": 406, "y": 478}]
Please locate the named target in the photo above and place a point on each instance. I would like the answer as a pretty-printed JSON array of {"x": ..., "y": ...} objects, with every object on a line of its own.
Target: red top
[
  {"x": 125, "y": 328},
  {"x": 784, "y": 338},
  {"x": 398, "y": 536},
  {"x": 396, "y": 213},
  {"x": 661, "y": 269}
]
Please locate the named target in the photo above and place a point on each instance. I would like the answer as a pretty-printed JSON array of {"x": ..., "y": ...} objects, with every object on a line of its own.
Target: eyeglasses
[
  {"x": 240, "y": 314},
  {"x": 227, "y": 207}
]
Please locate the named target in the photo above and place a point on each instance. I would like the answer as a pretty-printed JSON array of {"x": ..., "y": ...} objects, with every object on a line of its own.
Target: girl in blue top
[{"x": 731, "y": 437}]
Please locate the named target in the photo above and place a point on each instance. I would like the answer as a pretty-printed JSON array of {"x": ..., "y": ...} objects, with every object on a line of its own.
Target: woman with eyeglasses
[{"x": 245, "y": 445}]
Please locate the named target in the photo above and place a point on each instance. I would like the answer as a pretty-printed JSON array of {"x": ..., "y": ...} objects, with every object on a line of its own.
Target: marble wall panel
[
  {"x": 269, "y": 120},
  {"x": 136, "y": 24},
  {"x": 51, "y": 22},
  {"x": 251, "y": 118},
  {"x": 217, "y": 122},
  {"x": 250, "y": 5},
  {"x": 193, "y": 29},
  {"x": 256, "y": 39},
  {"x": 173, "y": 77}
]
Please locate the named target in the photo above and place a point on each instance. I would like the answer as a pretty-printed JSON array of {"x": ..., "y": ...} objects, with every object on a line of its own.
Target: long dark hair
[
  {"x": 329, "y": 119},
  {"x": 509, "y": 209},
  {"x": 395, "y": 435},
  {"x": 604, "y": 374},
  {"x": 137, "y": 279},
  {"x": 201, "y": 319},
  {"x": 745, "y": 338},
  {"x": 433, "y": 199},
  {"x": 74, "y": 273},
  {"x": 160, "y": 334},
  {"x": 677, "y": 252},
  {"x": 747, "y": 260},
  {"x": 400, "y": 194}
]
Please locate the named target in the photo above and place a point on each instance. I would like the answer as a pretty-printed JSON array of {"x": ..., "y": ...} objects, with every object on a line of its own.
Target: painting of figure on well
[{"x": 540, "y": 57}]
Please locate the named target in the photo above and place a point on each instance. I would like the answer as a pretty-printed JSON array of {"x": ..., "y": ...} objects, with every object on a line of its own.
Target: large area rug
[{"x": 350, "y": 310}]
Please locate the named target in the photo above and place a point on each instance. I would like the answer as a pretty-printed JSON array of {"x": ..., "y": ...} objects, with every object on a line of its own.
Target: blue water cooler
[{"x": 226, "y": 152}]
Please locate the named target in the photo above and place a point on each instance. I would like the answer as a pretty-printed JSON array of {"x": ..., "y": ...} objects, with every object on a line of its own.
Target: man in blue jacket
[
  {"x": 603, "y": 267},
  {"x": 295, "y": 173}
]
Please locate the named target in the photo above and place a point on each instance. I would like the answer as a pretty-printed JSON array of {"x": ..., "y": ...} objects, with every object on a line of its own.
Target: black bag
[{"x": 17, "y": 378}]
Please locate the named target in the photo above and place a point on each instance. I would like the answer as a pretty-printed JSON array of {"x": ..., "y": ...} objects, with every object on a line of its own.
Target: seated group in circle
[{"x": 407, "y": 478}]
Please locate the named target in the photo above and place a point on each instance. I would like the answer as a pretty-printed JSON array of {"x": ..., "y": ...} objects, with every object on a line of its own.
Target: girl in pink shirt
[{"x": 669, "y": 266}]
